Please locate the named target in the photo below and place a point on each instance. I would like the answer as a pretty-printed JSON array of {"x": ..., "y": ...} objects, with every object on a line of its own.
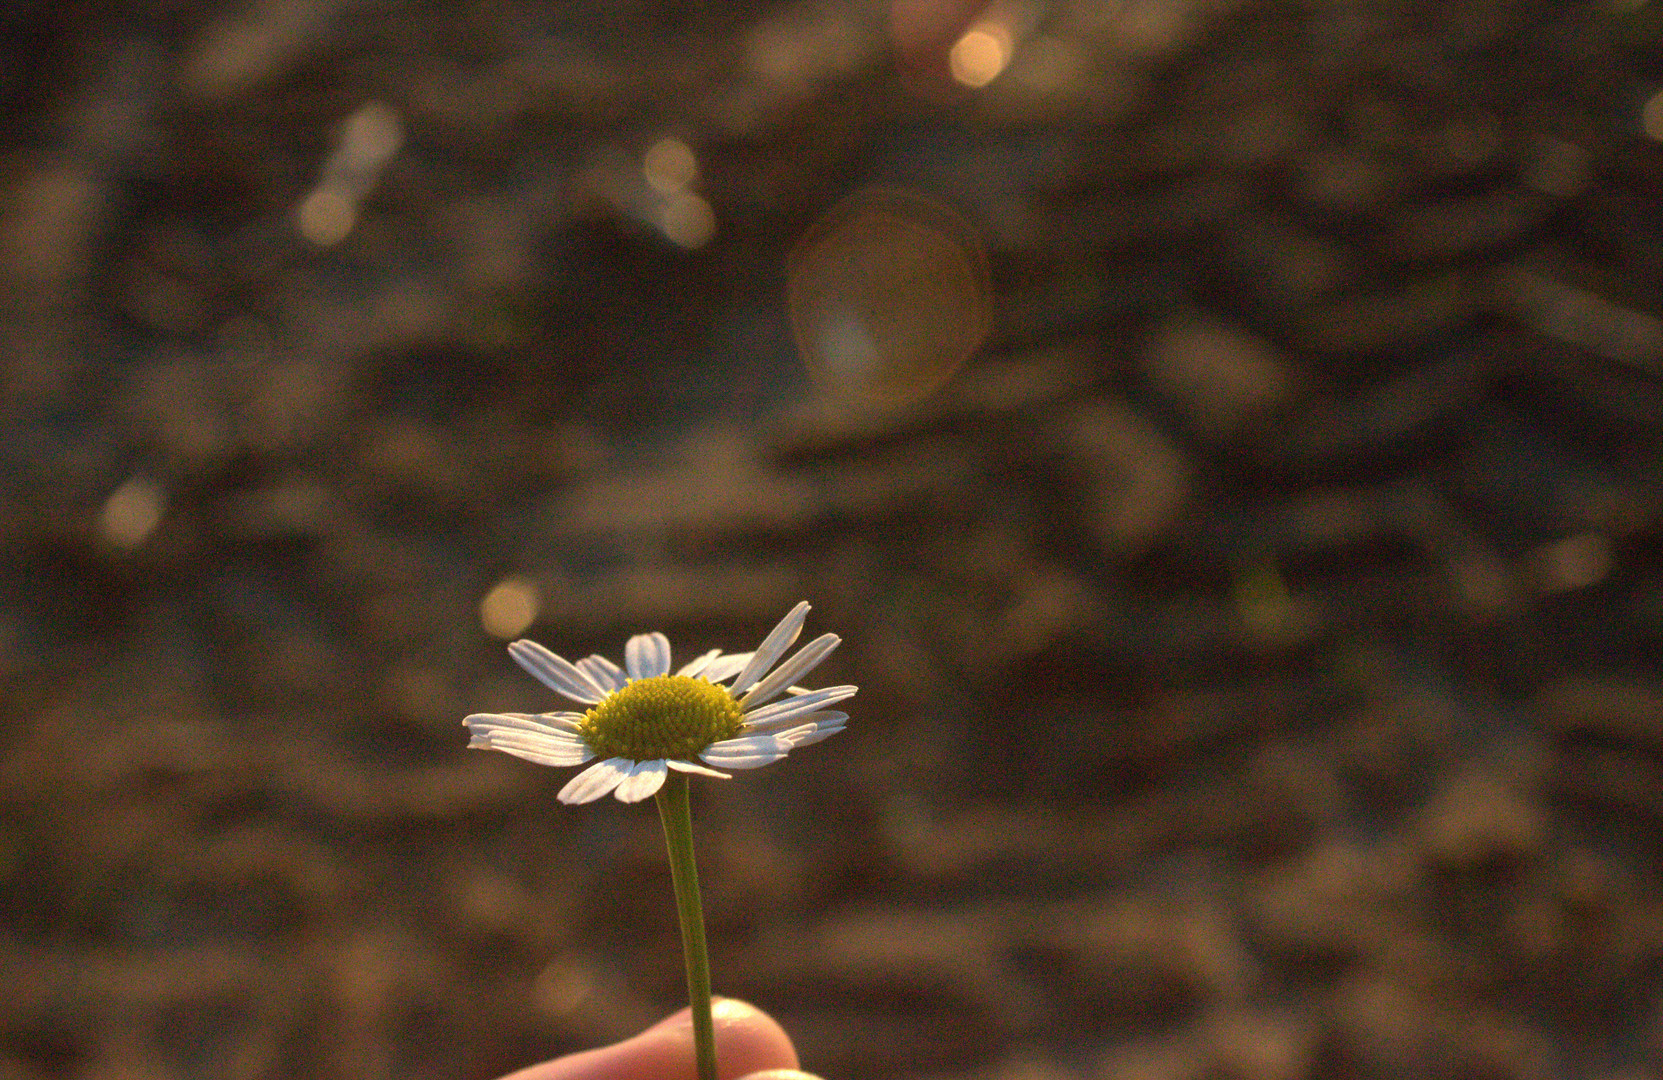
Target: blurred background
[{"x": 1226, "y": 433}]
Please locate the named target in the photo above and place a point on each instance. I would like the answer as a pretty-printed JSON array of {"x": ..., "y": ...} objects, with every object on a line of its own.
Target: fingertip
[{"x": 748, "y": 1040}]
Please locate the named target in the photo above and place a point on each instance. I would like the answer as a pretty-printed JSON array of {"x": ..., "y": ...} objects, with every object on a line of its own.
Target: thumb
[{"x": 747, "y": 1041}]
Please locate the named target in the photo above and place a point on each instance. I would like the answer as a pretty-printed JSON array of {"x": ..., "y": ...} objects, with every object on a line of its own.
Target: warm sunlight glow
[
  {"x": 366, "y": 142},
  {"x": 981, "y": 54},
  {"x": 669, "y": 166},
  {"x": 132, "y": 512},
  {"x": 688, "y": 221},
  {"x": 326, "y": 216},
  {"x": 510, "y": 608}
]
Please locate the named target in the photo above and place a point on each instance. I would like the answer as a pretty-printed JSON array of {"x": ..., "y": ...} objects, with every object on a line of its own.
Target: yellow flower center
[{"x": 666, "y": 716}]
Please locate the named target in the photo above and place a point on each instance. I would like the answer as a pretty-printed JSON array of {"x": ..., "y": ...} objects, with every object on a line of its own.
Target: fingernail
[{"x": 731, "y": 1009}]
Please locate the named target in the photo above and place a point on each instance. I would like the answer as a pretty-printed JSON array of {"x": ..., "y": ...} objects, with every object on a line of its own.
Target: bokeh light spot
[
  {"x": 367, "y": 141},
  {"x": 688, "y": 221},
  {"x": 889, "y": 296},
  {"x": 980, "y": 54},
  {"x": 669, "y": 166},
  {"x": 1574, "y": 562},
  {"x": 132, "y": 512},
  {"x": 510, "y": 608},
  {"x": 1651, "y": 117},
  {"x": 326, "y": 216}
]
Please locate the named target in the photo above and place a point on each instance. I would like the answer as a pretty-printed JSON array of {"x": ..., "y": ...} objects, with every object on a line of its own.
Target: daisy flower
[{"x": 719, "y": 711}]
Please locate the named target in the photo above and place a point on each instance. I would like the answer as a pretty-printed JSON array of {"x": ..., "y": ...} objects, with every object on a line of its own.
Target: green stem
[{"x": 677, "y": 815}]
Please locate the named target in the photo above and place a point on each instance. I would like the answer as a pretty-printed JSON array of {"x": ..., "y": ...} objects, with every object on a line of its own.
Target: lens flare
[{"x": 889, "y": 296}]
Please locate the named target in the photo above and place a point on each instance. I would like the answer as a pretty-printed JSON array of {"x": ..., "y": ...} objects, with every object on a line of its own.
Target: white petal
[
  {"x": 642, "y": 782},
  {"x": 535, "y": 748},
  {"x": 606, "y": 674},
  {"x": 773, "y": 646},
  {"x": 697, "y": 665},
  {"x": 550, "y": 741},
  {"x": 556, "y": 750},
  {"x": 796, "y": 706},
  {"x": 559, "y": 675},
  {"x": 727, "y": 666},
  {"x": 595, "y": 781},
  {"x": 647, "y": 655},
  {"x": 542, "y": 753},
  {"x": 790, "y": 671},
  {"x": 774, "y": 727},
  {"x": 563, "y": 721},
  {"x": 812, "y": 735},
  {"x": 746, "y": 752},
  {"x": 556, "y": 759},
  {"x": 696, "y": 770},
  {"x": 550, "y": 722}
]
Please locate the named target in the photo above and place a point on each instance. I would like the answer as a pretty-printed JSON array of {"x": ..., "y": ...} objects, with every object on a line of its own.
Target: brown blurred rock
[
  {"x": 1132, "y": 482},
  {"x": 1479, "y": 818},
  {"x": 1222, "y": 376}
]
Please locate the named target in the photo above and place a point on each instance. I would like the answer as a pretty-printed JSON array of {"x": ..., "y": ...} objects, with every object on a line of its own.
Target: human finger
[{"x": 748, "y": 1041}]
